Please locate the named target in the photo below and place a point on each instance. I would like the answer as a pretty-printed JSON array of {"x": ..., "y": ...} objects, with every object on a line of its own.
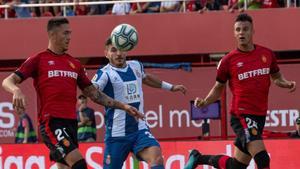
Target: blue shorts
[{"x": 118, "y": 148}]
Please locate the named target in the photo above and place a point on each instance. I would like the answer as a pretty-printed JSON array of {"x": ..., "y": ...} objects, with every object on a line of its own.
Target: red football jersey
[
  {"x": 55, "y": 80},
  {"x": 249, "y": 79}
]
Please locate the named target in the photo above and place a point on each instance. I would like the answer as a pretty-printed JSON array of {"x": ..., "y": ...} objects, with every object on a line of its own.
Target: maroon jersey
[
  {"x": 249, "y": 79},
  {"x": 55, "y": 80}
]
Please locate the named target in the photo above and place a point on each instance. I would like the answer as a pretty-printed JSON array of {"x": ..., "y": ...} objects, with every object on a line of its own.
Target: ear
[{"x": 105, "y": 53}]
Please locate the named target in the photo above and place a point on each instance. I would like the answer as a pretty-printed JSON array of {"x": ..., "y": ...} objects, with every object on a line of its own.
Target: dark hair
[
  {"x": 82, "y": 96},
  {"x": 108, "y": 42},
  {"x": 298, "y": 120},
  {"x": 243, "y": 18},
  {"x": 56, "y": 22}
]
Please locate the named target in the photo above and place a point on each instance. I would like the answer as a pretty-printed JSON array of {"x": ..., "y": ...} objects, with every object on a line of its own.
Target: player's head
[
  {"x": 243, "y": 29},
  {"x": 59, "y": 33},
  {"x": 82, "y": 99},
  {"x": 298, "y": 124},
  {"x": 116, "y": 57}
]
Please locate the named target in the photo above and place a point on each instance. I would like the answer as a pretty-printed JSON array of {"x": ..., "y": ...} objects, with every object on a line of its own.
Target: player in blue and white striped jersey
[{"x": 122, "y": 80}]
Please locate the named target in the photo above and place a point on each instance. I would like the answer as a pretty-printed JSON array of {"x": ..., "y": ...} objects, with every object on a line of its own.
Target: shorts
[
  {"x": 118, "y": 148},
  {"x": 247, "y": 128},
  {"x": 60, "y": 136}
]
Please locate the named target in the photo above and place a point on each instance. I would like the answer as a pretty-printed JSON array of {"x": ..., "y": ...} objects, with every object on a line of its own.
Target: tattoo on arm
[{"x": 100, "y": 98}]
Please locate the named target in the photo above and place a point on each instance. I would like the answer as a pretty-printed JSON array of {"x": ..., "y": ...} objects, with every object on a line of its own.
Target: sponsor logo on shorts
[
  {"x": 254, "y": 131},
  {"x": 66, "y": 142}
]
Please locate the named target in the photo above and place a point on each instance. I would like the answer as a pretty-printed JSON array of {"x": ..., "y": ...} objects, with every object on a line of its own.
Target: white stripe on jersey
[{"x": 124, "y": 85}]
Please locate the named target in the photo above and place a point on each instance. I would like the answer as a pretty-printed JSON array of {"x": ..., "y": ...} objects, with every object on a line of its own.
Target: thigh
[
  {"x": 150, "y": 154},
  {"x": 241, "y": 156},
  {"x": 248, "y": 128},
  {"x": 255, "y": 147},
  {"x": 144, "y": 141},
  {"x": 116, "y": 152}
]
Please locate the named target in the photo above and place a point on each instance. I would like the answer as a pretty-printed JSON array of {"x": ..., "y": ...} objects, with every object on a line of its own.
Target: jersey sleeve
[
  {"x": 139, "y": 66},
  {"x": 100, "y": 80},
  {"x": 83, "y": 81},
  {"x": 29, "y": 68},
  {"x": 274, "y": 68},
  {"x": 223, "y": 73}
]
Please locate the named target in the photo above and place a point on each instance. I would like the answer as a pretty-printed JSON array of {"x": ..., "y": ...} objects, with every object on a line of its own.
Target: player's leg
[
  {"x": 255, "y": 146},
  {"x": 116, "y": 152},
  {"x": 60, "y": 136},
  {"x": 153, "y": 156},
  {"x": 62, "y": 166},
  {"x": 258, "y": 151},
  {"x": 242, "y": 156},
  {"x": 218, "y": 161},
  {"x": 148, "y": 149}
]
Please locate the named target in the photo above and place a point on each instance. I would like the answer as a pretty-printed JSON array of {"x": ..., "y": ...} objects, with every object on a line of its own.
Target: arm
[
  {"x": 10, "y": 85},
  {"x": 83, "y": 120},
  {"x": 280, "y": 81},
  {"x": 214, "y": 94},
  {"x": 152, "y": 81},
  {"x": 101, "y": 98}
]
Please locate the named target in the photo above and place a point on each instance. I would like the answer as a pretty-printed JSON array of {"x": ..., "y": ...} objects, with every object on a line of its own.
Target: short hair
[
  {"x": 82, "y": 96},
  {"x": 244, "y": 18},
  {"x": 56, "y": 22},
  {"x": 298, "y": 120},
  {"x": 108, "y": 42}
]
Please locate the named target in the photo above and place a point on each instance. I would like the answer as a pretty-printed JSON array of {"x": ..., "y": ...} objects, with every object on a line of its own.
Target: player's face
[
  {"x": 62, "y": 37},
  {"x": 116, "y": 57},
  {"x": 82, "y": 101},
  {"x": 243, "y": 32}
]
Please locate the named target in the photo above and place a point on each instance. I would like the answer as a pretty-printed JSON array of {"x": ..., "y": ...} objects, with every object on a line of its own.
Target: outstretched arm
[
  {"x": 213, "y": 95},
  {"x": 101, "y": 98},
  {"x": 152, "y": 81},
  {"x": 10, "y": 85},
  {"x": 280, "y": 81}
]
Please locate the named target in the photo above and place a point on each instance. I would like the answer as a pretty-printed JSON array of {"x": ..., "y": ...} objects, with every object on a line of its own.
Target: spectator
[
  {"x": 121, "y": 8},
  {"x": 270, "y": 4},
  {"x": 251, "y": 4},
  {"x": 86, "y": 121},
  {"x": 211, "y": 5},
  {"x": 296, "y": 133},
  {"x": 292, "y": 134},
  {"x": 21, "y": 12},
  {"x": 170, "y": 6},
  {"x": 153, "y": 7},
  {"x": 233, "y": 5},
  {"x": 139, "y": 7},
  {"x": 25, "y": 131}
]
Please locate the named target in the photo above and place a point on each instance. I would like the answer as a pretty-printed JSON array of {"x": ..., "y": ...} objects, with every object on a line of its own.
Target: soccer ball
[{"x": 124, "y": 37}]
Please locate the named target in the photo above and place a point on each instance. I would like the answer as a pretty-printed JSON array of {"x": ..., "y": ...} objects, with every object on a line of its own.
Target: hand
[
  {"x": 180, "y": 88},
  {"x": 133, "y": 112},
  {"x": 18, "y": 99},
  {"x": 292, "y": 86},
  {"x": 200, "y": 102}
]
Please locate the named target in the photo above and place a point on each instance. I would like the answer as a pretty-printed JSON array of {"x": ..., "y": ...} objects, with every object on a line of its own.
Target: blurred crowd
[{"x": 132, "y": 8}]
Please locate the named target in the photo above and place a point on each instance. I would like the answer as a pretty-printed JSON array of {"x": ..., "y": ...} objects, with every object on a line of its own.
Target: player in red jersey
[
  {"x": 56, "y": 75},
  {"x": 248, "y": 70}
]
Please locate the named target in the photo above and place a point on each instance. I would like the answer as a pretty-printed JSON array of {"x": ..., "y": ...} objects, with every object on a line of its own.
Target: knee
[
  {"x": 262, "y": 160},
  {"x": 157, "y": 160},
  {"x": 81, "y": 164}
]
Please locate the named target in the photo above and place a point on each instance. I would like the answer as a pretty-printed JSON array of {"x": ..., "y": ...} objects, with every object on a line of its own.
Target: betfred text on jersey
[
  {"x": 253, "y": 73},
  {"x": 62, "y": 73}
]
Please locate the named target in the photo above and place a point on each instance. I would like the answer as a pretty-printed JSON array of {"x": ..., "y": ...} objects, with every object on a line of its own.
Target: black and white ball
[{"x": 124, "y": 37}]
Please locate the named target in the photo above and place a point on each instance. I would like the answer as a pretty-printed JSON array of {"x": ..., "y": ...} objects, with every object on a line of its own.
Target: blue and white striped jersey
[{"x": 124, "y": 85}]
